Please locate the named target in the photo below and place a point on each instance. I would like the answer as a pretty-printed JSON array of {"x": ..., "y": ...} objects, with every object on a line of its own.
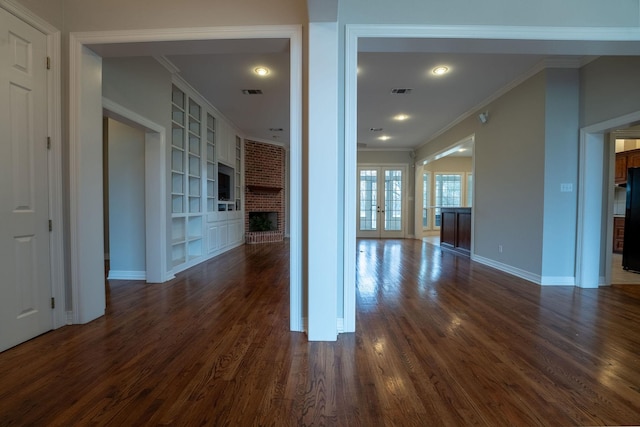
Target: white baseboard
[
  {"x": 523, "y": 274},
  {"x": 558, "y": 281},
  {"x": 526, "y": 275},
  {"x": 127, "y": 275}
]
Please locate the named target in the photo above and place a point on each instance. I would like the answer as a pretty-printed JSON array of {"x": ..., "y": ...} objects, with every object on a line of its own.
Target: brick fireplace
[{"x": 264, "y": 192}]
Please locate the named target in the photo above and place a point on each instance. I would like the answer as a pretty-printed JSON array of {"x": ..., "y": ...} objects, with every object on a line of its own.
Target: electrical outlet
[{"x": 566, "y": 187}]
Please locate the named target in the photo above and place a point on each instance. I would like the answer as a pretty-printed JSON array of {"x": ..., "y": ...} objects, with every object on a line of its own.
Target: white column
[
  {"x": 87, "y": 239},
  {"x": 590, "y": 225},
  {"x": 323, "y": 190}
]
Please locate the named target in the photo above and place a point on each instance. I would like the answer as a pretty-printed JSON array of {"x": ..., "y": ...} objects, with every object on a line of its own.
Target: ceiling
[{"x": 221, "y": 69}]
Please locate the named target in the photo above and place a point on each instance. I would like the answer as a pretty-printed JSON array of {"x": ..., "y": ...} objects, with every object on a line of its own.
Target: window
[
  {"x": 368, "y": 199},
  {"x": 448, "y": 192},
  {"x": 393, "y": 200},
  {"x": 426, "y": 197},
  {"x": 469, "y": 190}
]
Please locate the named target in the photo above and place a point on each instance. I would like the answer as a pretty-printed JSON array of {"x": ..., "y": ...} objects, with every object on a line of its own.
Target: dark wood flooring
[{"x": 441, "y": 341}]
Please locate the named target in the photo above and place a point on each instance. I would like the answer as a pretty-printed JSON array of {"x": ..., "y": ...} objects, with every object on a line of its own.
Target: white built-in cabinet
[{"x": 202, "y": 223}]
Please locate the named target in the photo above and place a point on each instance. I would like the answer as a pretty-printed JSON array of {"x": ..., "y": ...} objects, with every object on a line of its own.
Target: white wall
[{"x": 126, "y": 200}]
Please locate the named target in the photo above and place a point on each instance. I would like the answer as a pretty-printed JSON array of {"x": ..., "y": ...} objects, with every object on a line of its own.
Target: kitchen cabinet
[
  {"x": 624, "y": 161},
  {"x": 618, "y": 234}
]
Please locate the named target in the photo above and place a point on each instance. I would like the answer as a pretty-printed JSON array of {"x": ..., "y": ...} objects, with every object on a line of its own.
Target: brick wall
[{"x": 264, "y": 166}]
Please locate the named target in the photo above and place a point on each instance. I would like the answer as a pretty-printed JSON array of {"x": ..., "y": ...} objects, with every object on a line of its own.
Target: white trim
[
  {"x": 583, "y": 260},
  {"x": 514, "y": 271},
  {"x": 54, "y": 130},
  {"x": 155, "y": 189},
  {"x": 294, "y": 34},
  {"x": 557, "y": 281},
  {"x": 340, "y": 325},
  {"x": 167, "y": 64},
  {"x": 355, "y": 31},
  {"x": 127, "y": 275}
]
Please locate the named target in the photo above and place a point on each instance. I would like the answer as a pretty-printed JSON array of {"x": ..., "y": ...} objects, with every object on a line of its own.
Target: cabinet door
[
  {"x": 621, "y": 168},
  {"x": 618, "y": 234},
  {"x": 633, "y": 160},
  {"x": 213, "y": 242}
]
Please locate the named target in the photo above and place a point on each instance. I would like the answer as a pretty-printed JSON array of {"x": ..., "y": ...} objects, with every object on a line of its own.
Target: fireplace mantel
[{"x": 263, "y": 189}]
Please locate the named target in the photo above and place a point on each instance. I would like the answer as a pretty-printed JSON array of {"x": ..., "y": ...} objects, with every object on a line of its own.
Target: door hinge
[
  {"x": 48, "y": 143},
  {"x": 48, "y": 63},
  {"x": 50, "y": 225},
  {"x": 53, "y": 303}
]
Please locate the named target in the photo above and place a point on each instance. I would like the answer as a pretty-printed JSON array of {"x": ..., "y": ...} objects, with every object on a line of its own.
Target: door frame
[
  {"x": 87, "y": 284},
  {"x": 55, "y": 173},
  {"x": 593, "y": 180},
  {"x": 353, "y": 32},
  {"x": 155, "y": 203},
  {"x": 381, "y": 168}
]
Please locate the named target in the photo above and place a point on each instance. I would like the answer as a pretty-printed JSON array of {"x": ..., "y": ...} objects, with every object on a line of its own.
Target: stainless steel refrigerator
[{"x": 631, "y": 248}]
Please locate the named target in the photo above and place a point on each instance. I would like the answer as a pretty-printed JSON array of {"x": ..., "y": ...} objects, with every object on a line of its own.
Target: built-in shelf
[{"x": 263, "y": 189}]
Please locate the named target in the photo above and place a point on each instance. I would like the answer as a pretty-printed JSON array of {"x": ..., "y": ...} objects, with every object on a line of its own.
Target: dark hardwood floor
[{"x": 441, "y": 341}]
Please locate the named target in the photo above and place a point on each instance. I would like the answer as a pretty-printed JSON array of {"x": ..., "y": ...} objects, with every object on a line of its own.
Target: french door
[{"x": 381, "y": 202}]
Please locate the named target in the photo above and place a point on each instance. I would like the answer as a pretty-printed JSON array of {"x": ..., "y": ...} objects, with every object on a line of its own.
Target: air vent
[
  {"x": 401, "y": 91},
  {"x": 275, "y": 129},
  {"x": 252, "y": 91},
  {"x": 375, "y": 129}
]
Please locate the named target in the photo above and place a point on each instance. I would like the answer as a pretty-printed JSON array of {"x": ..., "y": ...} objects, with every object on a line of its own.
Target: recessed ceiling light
[
  {"x": 461, "y": 150},
  {"x": 440, "y": 70},
  {"x": 261, "y": 71},
  {"x": 401, "y": 117},
  {"x": 384, "y": 138}
]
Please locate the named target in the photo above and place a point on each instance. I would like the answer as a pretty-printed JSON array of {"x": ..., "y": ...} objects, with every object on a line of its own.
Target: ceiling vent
[
  {"x": 375, "y": 129},
  {"x": 252, "y": 91},
  {"x": 275, "y": 129},
  {"x": 401, "y": 91}
]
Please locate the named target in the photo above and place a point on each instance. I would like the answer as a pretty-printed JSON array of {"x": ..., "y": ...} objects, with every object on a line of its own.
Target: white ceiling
[{"x": 479, "y": 69}]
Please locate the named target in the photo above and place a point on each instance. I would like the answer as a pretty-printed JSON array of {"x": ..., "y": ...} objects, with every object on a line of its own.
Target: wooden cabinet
[
  {"x": 624, "y": 161},
  {"x": 455, "y": 229},
  {"x": 618, "y": 234}
]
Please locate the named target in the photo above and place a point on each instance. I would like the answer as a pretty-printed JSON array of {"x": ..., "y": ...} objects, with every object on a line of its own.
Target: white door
[
  {"x": 381, "y": 202},
  {"x": 25, "y": 287}
]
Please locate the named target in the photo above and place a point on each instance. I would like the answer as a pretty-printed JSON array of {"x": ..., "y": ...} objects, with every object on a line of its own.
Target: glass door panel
[
  {"x": 393, "y": 200},
  {"x": 380, "y": 202}
]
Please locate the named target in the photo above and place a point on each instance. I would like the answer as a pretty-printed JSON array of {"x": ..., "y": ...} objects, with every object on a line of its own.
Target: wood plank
[{"x": 440, "y": 341}]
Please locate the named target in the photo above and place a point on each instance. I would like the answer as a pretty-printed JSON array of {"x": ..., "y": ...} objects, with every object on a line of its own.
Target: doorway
[
  {"x": 86, "y": 247},
  {"x": 124, "y": 195},
  {"x": 381, "y": 202}
]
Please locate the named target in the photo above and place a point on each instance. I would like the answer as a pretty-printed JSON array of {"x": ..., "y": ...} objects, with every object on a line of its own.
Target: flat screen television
[{"x": 224, "y": 186}]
